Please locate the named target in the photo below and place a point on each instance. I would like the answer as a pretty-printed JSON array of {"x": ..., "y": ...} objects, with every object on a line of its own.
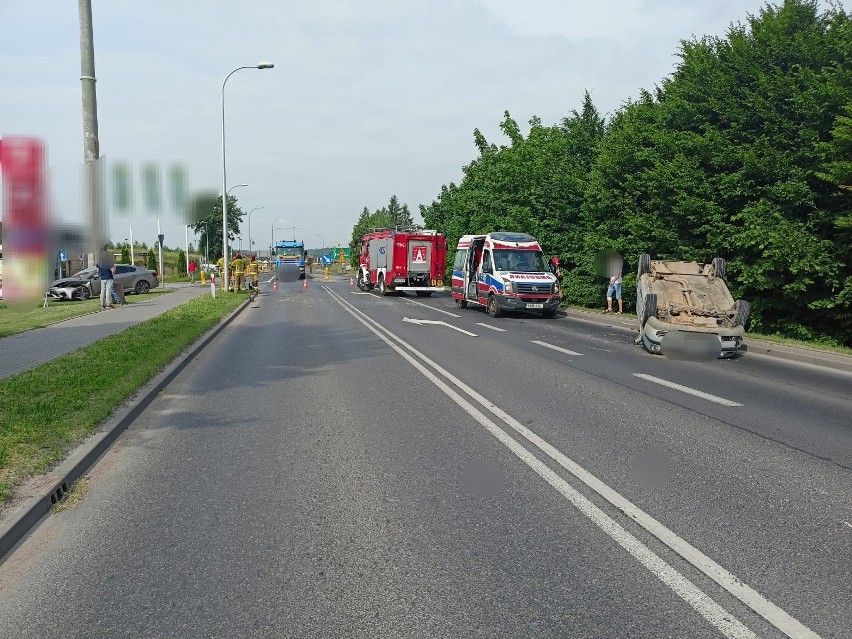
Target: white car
[{"x": 687, "y": 306}]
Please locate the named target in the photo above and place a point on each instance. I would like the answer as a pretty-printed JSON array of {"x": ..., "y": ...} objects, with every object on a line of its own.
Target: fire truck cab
[{"x": 503, "y": 271}]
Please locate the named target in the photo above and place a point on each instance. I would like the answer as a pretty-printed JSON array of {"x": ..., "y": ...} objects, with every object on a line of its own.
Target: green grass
[
  {"x": 52, "y": 407},
  {"x": 13, "y": 321}
]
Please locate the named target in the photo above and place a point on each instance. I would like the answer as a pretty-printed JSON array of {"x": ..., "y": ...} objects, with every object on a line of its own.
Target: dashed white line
[
  {"x": 687, "y": 390},
  {"x": 493, "y": 328},
  {"x": 555, "y": 348}
]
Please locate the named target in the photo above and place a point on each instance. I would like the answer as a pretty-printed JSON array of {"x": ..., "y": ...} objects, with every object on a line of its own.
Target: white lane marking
[
  {"x": 439, "y": 322},
  {"x": 432, "y": 308},
  {"x": 493, "y": 328},
  {"x": 687, "y": 390},
  {"x": 750, "y": 597},
  {"x": 359, "y": 293},
  {"x": 555, "y": 348}
]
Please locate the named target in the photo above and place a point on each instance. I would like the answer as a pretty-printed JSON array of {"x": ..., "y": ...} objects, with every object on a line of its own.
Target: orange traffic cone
[
  {"x": 351, "y": 281},
  {"x": 305, "y": 283},
  {"x": 275, "y": 284}
]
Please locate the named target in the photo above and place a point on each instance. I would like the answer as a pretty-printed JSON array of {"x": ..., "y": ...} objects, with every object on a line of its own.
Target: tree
[
  {"x": 125, "y": 254},
  {"x": 212, "y": 224},
  {"x": 152, "y": 259},
  {"x": 181, "y": 263}
]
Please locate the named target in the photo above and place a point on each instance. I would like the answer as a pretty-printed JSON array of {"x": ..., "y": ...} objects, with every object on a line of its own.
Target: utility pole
[{"x": 91, "y": 145}]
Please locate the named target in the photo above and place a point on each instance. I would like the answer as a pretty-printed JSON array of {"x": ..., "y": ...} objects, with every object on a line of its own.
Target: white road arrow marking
[
  {"x": 432, "y": 308},
  {"x": 423, "y": 321},
  {"x": 493, "y": 328}
]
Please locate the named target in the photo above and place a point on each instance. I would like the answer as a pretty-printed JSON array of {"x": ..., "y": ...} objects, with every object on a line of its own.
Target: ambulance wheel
[
  {"x": 548, "y": 314},
  {"x": 461, "y": 303},
  {"x": 423, "y": 293},
  {"x": 493, "y": 309},
  {"x": 383, "y": 289}
]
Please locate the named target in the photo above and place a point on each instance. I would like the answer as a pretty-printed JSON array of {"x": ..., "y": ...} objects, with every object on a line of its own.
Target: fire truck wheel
[
  {"x": 383, "y": 289},
  {"x": 423, "y": 293},
  {"x": 461, "y": 303},
  {"x": 493, "y": 309}
]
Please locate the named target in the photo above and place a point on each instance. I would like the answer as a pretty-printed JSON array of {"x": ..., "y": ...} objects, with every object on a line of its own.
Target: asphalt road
[{"x": 331, "y": 467}]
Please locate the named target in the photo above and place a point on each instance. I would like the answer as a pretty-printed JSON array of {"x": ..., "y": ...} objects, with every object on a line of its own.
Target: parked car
[
  {"x": 87, "y": 283},
  {"x": 687, "y": 302}
]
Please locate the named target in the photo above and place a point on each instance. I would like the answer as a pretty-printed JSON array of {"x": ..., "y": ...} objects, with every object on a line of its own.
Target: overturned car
[{"x": 686, "y": 307}]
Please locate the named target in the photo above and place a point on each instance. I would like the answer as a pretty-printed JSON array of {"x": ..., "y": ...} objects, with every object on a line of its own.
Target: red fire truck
[{"x": 402, "y": 260}]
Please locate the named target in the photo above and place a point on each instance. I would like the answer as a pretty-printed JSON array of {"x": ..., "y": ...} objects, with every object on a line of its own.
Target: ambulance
[{"x": 503, "y": 272}]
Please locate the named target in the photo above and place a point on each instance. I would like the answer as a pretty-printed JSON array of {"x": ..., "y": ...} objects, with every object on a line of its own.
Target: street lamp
[
  {"x": 257, "y": 208},
  {"x": 236, "y": 186},
  {"x": 293, "y": 229},
  {"x": 272, "y": 239},
  {"x": 260, "y": 65}
]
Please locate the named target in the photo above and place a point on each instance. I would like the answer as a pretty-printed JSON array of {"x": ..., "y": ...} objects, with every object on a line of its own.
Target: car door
[{"x": 126, "y": 275}]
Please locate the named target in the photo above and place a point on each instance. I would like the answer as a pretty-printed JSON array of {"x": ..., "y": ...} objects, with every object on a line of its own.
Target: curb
[
  {"x": 754, "y": 346},
  {"x": 40, "y": 494}
]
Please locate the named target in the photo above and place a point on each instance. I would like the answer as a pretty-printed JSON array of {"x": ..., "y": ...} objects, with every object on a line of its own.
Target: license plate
[{"x": 535, "y": 306}]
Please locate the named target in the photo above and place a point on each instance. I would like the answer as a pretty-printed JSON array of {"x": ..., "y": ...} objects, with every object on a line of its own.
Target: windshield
[
  {"x": 519, "y": 261},
  {"x": 295, "y": 251}
]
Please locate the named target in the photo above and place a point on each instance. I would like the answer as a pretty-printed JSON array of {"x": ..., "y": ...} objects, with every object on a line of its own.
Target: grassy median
[{"x": 46, "y": 411}]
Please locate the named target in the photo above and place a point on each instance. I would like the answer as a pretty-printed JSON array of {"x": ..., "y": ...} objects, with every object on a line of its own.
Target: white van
[{"x": 503, "y": 272}]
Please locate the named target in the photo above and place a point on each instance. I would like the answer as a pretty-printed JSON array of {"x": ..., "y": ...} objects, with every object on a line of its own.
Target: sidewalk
[
  {"x": 801, "y": 354},
  {"x": 24, "y": 351}
]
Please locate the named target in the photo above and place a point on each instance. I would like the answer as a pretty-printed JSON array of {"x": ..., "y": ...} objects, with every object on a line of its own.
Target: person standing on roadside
[
  {"x": 238, "y": 264},
  {"x": 614, "y": 289},
  {"x": 192, "y": 268},
  {"x": 251, "y": 273},
  {"x": 106, "y": 269}
]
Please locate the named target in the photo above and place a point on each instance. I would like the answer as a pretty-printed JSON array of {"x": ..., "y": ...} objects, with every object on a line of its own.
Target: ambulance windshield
[{"x": 519, "y": 261}]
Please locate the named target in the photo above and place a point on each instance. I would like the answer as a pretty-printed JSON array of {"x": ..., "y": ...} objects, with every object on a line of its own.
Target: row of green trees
[
  {"x": 743, "y": 152},
  {"x": 394, "y": 215}
]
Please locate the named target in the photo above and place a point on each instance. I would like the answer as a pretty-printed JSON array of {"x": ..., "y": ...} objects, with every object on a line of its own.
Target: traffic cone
[
  {"x": 351, "y": 281},
  {"x": 305, "y": 283},
  {"x": 275, "y": 284}
]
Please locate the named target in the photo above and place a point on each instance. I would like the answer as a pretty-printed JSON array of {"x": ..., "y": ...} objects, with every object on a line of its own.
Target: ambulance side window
[
  {"x": 461, "y": 260},
  {"x": 486, "y": 262}
]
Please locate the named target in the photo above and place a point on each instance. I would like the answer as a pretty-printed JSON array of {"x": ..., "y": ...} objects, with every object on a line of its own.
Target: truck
[
  {"x": 503, "y": 271},
  {"x": 287, "y": 252},
  {"x": 402, "y": 260}
]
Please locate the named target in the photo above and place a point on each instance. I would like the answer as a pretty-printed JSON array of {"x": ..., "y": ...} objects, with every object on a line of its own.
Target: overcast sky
[{"x": 368, "y": 98}]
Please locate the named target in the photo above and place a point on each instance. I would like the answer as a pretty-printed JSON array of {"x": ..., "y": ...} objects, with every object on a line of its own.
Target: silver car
[
  {"x": 683, "y": 306},
  {"x": 87, "y": 283}
]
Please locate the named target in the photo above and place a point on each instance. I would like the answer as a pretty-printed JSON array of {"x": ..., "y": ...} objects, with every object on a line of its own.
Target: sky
[{"x": 368, "y": 98}]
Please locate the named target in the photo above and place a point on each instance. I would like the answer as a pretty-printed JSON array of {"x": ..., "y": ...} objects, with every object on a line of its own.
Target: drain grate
[{"x": 59, "y": 494}]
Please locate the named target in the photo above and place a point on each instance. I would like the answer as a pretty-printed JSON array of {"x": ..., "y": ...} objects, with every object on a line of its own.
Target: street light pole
[
  {"x": 272, "y": 237},
  {"x": 261, "y": 65},
  {"x": 257, "y": 208},
  {"x": 236, "y": 186}
]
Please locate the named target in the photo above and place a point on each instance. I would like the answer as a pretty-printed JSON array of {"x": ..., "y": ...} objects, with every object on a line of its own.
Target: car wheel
[
  {"x": 649, "y": 308},
  {"x": 461, "y": 303},
  {"x": 493, "y": 309},
  {"x": 383, "y": 289},
  {"x": 718, "y": 267},
  {"x": 142, "y": 287},
  {"x": 81, "y": 294},
  {"x": 742, "y": 312},
  {"x": 644, "y": 264},
  {"x": 423, "y": 293}
]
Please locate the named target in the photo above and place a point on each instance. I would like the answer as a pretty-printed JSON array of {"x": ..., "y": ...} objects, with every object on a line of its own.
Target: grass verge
[
  {"x": 12, "y": 321},
  {"x": 52, "y": 407},
  {"x": 775, "y": 339}
]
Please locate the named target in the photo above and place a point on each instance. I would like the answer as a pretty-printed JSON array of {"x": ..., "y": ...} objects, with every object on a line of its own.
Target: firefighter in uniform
[
  {"x": 238, "y": 264},
  {"x": 220, "y": 266},
  {"x": 251, "y": 274}
]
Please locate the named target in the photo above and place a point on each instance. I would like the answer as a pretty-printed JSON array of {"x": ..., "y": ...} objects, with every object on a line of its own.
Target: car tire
[
  {"x": 142, "y": 287},
  {"x": 423, "y": 293},
  {"x": 649, "y": 308},
  {"x": 644, "y": 264},
  {"x": 461, "y": 303},
  {"x": 718, "y": 267},
  {"x": 81, "y": 294},
  {"x": 743, "y": 309},
  {"x": 493, "y": 308}
]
